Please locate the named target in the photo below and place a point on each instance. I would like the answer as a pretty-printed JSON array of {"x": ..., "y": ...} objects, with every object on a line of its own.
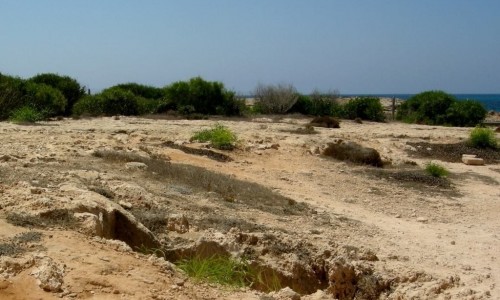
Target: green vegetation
[
  {"x": 219, "y": 136},
  {"x": 483, "y": 138},
  {"x": 436, "y": 170},
  {"x": 465, "y": 113},
  {"x": 218, "y": 269},
  {"x": 26, "y": 114},
  {"x": 318, "y": 104},
  {"x": 46, "y": 98},
  {"x": 440, "y": 108},
  {"x": 203, "y": 97},
  {"x": 230, "y": 272},
  {"x": 365, "y": 108},
  {"x": 69, "y": 87}
]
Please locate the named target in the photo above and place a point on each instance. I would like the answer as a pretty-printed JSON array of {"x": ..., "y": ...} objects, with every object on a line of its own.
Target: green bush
[
  {"x": 204, "y": 96},
  {"x": 465, "y": 113},
  {"x": 89, "y": 106},
  {"x": 26, "y": 114},
  {"x": 45, "y": 98},
  {"x": 69, "y": 87},
  {"x": 11, "y": 95},
  {"x": 145, "y": 91},
  {"x": 365, "y": 108},
  {"x": 429, "y": 107},
  {"x": 112, "y": 101},
  {"x": 436, "y": 170},
  {"x": 317, "y": 104},
  {"x": 483, "y": 138},
  {"x": 219, "y": 136},
  {"x": 117, "y": 101}
]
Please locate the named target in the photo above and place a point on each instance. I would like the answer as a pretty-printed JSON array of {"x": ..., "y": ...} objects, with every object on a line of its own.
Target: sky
[{"x": 353, "y": 46}]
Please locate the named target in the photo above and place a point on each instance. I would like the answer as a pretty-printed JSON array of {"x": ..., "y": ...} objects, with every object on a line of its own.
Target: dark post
[{"x": 393, "y": 107}]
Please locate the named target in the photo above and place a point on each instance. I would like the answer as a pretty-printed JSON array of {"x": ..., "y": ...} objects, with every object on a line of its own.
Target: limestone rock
[
  {"x": 470, "y": 159},
  {"x": 49, "y": 275},
  {"x": 285, "y": 294},
  {"x": 178, "y": 223}
]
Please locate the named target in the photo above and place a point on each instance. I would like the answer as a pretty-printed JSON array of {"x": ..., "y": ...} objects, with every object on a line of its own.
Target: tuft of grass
[
  {"x": 483, "y": 138},
  {"x": 230, "y": 272},
  {"x": 219, "y": 136},
  {"x": 26, "y": 114},
  {"x": 436, "y": 170},
  {"x": 218, "y": 269}
]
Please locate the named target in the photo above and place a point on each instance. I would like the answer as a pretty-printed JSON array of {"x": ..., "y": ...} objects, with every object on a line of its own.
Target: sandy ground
[{"x": 431, "y": 243}]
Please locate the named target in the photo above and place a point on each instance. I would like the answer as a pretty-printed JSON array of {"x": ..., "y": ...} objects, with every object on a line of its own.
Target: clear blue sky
[{"x": 355, "y": 46}]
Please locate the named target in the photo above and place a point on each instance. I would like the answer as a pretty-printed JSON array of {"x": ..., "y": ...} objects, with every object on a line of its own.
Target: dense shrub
[
  {"x": 204, "y": 96},
  {"x": 11, "y": 95},
  {"x": 89, "y": 106},
  {"x": 116, "y": 101},
  {"x": 465, "y": 113},
  {"x": 440, "y": 108},
  {"x": 145, "y": 91},
  {"x": 275, "y": 99},
  {"x": 69, "y": 87},
  {"x": 45, "y": 99},
  {"x": 112, "y": 101},
  {"x": 365, "y": 108},
  {"x": 483, "y": 138},
  {"x": 426, "y": 108}
]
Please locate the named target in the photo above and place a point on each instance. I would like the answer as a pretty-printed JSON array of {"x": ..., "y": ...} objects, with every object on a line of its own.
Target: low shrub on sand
[
  {"x": 436, "y": 170},
  {"x": 219, "y": 136},
  {"x": 483, "y": 138}
]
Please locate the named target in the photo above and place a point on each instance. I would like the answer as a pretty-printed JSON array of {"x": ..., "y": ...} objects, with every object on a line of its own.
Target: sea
[{"x": 490, "y": 101}]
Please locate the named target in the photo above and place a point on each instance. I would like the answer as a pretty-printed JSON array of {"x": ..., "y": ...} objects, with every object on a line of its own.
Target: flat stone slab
[{"x": 473, "y": 161}]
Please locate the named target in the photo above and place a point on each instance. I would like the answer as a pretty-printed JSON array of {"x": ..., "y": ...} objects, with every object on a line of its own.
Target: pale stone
[{"x": 474, "y": 161}]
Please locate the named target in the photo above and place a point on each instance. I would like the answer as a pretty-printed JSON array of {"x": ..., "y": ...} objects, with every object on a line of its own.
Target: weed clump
[
  {"x": 219, "y": 136},
  {"x": 26, "y": 115},
  {"x": 230, "y": 272},
  {"x": 483, "y": 138},
  {"x": 436, "y": 170},
  {"x": 218, "y": 269},
  {"x": 353, "y": 152},
  {"x": 325, "y": 121}
]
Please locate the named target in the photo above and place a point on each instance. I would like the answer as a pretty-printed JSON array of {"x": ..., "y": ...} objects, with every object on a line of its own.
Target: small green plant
[
  {"x": 436, "y": 170},
  {"x": 218, "y": 269},
  {"x": 219, "y": 136},
  {"x": 483, "y": 138},
  {"x": 26, "y": 114}
]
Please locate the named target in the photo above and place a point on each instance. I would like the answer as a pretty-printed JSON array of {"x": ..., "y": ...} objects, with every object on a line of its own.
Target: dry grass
[{"x": 231, "y": 189}]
